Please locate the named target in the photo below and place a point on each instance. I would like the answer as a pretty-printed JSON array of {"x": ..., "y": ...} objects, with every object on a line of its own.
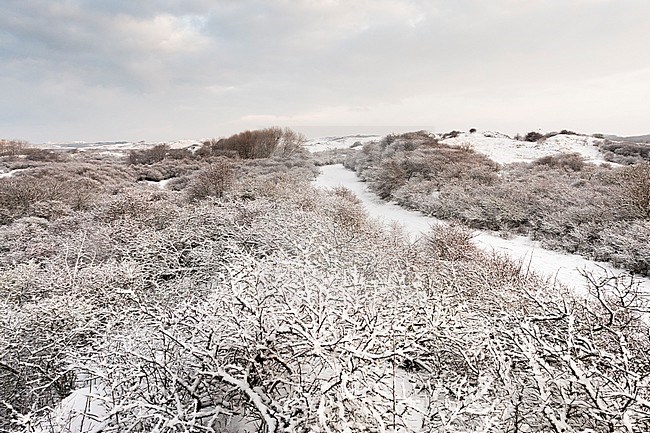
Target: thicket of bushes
[
  {"x": 260, "y": 143},
  {"x": 255, "y": 144},
  {"x": 264, "y": 304},
  {"x": 559, "y": 200},
  {"x": 625, "y": 152},
  {"x": 55, "y": 188},
  {"x": 60, "y": 188}
]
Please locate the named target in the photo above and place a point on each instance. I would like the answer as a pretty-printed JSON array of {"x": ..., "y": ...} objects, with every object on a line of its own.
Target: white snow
[
  {"x": 344, "y": 142},
  {"x": 161, "y": 184},
  {"x": 556, "y": 266},
  {"x": 83, "y": 411},
  {"x": 414, "y": 222},
  {"x": 505, "y": 150},
  {"x": 82, "y": 146},
  {"x": 499, "y": 147},
  {"x": 11, "y": 173}
]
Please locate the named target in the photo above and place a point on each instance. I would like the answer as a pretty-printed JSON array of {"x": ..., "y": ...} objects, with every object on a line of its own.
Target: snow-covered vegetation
[{"x": 238, "y": 297}]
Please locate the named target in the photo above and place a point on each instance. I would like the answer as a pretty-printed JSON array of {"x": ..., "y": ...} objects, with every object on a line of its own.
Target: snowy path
[{"x": 563, "y": 268}]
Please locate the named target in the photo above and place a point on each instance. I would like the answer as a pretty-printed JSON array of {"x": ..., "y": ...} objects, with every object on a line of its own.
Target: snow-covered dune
[
  {"x": 343, "y": 142},
  {"x": 497, "y": 146},
  {"x": 505, "y": 150}
]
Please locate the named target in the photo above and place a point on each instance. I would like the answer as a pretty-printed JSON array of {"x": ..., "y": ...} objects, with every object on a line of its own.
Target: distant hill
[{"x": 632, "y": 138}]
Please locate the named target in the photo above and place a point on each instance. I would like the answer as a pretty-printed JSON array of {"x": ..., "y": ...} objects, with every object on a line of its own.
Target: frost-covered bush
[
  {"x": 212, "y": 181},
  {"x": 149, "y": 156},
  {"x": 391, "y": 167},
  {"x": 450, "y": 243},
  {"x": 36, "y": 338},
  {"x": 635, "y": 189},
  {"x": 46, "y": 197},
  {"x": 626, "y": 153},
  {"x": 625, "y": 245},
  {"x": 533, "y": 136},
  {"x": 566, "y": 161},
  {"x": 333, "y": 156},
  {"x": 44, "y": 155},
  {"x": 304, "y": 341}
]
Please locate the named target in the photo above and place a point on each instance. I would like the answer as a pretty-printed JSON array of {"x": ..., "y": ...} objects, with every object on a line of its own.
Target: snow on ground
[
  {"x": 505, "y": 150},
  {"x": 121, "y": 145},
  {"x": 11, "y": 173},
  {"x": 333, "y": 176},
  {"x": 83, "y": 411},
  {"x": 312, "y": 144},
  {"x": 556, "y": 266},
  {"x": 161, "y": 184},
  {"x": 499, "y": 147},
  {"x": 344, "y": 142}
]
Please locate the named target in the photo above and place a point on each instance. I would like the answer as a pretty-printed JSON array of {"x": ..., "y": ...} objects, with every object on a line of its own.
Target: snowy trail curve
[{"x": 559, "y": 267}]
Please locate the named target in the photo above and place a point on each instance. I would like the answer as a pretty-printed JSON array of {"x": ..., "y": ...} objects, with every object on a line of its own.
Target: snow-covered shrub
[
  {"x": 45, "y": 197},
  {"x": 88, "y": 175},
  {"x": 149, "y": 207},
  {"x": 626, "y": 153},
  {"x": 566, "y": 161},
  {"x": 306, "y": 342},
  {"x": 298, "y": 165},
  {"x": 35, "y": 342},
  {"x": 450, "y": 243},
  {"x": 212, "y": 181},
  {"x": 149, "y": 156},
  {"x": 348, "y": 219},
  {"x": 105, "y": 175},
  {"x": 625, "y": 245},
  {"x": 45, "y": 155},
  {"x": 431, "y": 162}
]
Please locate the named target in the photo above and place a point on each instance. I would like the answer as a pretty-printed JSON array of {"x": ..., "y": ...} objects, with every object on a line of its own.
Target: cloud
[
  {"x": 71, "y": 69},
  {"x": 161, "y": 34}
]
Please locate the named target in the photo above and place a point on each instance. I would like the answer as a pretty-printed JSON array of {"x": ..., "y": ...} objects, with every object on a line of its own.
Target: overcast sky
[{"x": 171, "y": 69}]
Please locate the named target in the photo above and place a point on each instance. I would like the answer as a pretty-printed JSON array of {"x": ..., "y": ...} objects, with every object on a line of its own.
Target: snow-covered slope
[
  {"x": 344, "y": 142},
  {"x": 499, "y": 147},
  {"x": 120, "y": 145},
  {"x": 504, "y": 149}
]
